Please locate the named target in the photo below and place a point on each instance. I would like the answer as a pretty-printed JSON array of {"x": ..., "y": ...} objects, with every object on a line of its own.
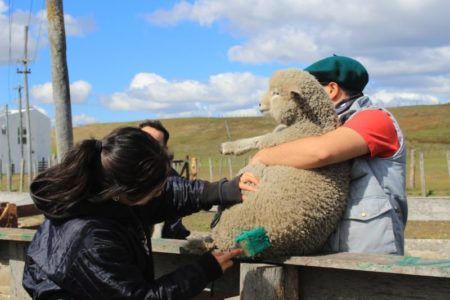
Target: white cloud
[
  {"x": 83, "y": 119},
  {"x": 43, "y": 92},
  {"x": 387, "y": 98},
  {"x": 404, "y": 44},
  {"x": 319, "y": 26},
  {"x": 12, "y": 37},
  {"x": 78, "y": 26},
  {"x": 221, "y": 94},
  {"x": 79, "y": 92}
]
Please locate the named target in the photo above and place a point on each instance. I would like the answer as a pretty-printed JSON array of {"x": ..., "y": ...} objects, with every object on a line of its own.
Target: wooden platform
[{"x": 332, "y": 276}]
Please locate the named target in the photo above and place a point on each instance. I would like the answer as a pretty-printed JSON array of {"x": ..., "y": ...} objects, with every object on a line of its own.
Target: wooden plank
[
  {"x": 429, "y": 209},
  {"x": 17, "y": 234},
  {"x": 408, "y": 265},
  {"x": 323, "y": 283},
  {"x": 413, "y": 247},
  {"x": 428, "y": 248},
  {"x": 420, "y": 208}
]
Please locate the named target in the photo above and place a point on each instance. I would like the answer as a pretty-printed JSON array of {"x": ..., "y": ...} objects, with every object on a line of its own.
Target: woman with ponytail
[{"x": 99, "y": 204}]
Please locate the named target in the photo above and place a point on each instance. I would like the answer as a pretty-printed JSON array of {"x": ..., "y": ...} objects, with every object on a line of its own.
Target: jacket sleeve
[
  {"x": 110, "y": 271},
  {"x": 182, "y": 197}
]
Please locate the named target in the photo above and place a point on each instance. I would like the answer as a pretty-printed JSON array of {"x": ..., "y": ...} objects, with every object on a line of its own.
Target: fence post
[
  {"x": 260, "y": 281},
  {"x": 448, "y": 163},
  {"x": 210, "y": 169},
  {"x": 22, "y": 171},
  {"x": 412, "y": 169},
  {"x": 422, "y": 174},
  {"x": 193, "y": 168},
  {"x": 230, "y": 168},
  {"x": 8, "y": 178}
]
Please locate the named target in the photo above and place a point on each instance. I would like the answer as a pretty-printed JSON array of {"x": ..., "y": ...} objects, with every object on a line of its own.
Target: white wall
[{"x": 40, "y": 138}]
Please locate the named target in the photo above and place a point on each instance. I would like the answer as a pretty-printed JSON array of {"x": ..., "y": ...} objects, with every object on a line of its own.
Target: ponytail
[{"x": 74, "y": 179}]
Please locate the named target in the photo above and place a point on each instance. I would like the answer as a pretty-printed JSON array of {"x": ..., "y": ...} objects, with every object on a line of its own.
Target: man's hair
[{"x": 156, "y": 124}]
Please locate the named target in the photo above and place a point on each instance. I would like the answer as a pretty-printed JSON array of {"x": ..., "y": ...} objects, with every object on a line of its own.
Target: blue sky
[{"x": 132, "y": 60}]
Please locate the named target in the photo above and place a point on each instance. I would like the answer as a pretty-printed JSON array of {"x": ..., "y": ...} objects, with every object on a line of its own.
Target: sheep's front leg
[{"x": 241, "y": 146}]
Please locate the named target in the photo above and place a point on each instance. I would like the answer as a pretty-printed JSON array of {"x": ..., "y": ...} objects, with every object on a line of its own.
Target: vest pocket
[
  {"x": 367, "y": 226},
  {"x": 367, "y": 208}
]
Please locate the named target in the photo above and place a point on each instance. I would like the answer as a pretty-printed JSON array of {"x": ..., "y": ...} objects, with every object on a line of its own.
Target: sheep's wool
[{"x": 298, "y": 208}]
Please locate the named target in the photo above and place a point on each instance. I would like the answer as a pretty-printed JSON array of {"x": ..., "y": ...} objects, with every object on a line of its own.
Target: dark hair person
[{"x": 98, "y": 204}]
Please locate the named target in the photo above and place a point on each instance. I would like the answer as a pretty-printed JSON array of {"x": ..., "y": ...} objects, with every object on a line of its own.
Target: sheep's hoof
[{"x": 226, "y": 148}]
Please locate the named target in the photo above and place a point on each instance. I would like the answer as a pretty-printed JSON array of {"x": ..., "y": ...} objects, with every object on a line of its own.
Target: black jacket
[{"x": 103, "y": 251}]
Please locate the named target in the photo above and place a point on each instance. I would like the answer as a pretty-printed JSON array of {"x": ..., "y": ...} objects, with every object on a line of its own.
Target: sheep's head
[{"x": 293, "y": 95}]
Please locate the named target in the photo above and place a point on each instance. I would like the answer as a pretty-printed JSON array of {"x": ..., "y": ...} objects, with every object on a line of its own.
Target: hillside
[
  {"x": 426, "y": 124},
  {"x": 426, "y": 128}
]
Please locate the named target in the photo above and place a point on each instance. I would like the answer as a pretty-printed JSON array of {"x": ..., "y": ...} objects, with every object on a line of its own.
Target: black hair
[
  {"x": 127, "y": 160},
  {"x": 156, "y": 124},
  {"x": 347, "y": 91}
]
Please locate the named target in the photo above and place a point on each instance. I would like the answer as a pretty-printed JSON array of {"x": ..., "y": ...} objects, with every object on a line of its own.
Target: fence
[
  {"x": 434, "y": 172},
  {"x": 15, "y": 176}
]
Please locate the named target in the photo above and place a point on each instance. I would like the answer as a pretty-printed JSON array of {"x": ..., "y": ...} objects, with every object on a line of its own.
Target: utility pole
[
  {"x": 60, "y": 77},
  {"x": 8, "y": 144},
  {"x": 19, "y": 90},
  {"x": 25, "y": 73}
]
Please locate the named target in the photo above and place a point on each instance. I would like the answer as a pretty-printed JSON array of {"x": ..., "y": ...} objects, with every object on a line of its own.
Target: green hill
[{"x": 426, "y": 129}]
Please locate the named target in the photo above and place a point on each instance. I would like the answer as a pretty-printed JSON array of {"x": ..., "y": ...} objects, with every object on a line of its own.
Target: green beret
[{"x": 345, "y": 71}]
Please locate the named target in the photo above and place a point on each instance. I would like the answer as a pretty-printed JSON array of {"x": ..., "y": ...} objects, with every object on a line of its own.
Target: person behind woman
[{"x": 98, "y": 204}]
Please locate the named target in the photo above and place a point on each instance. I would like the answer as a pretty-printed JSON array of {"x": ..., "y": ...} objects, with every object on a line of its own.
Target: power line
[
  {"x": 9, "y": 48},
  {"x": 38, "y": 39},
  {"x": 30, "y": 12}
]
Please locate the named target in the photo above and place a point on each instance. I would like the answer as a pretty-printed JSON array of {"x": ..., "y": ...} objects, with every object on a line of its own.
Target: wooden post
[
  {"x": 422, "y": 174},
  {"x": 210, "y": 169},
  {"x": 60, "y": 76},
  {"x": 193, "y": 168},
  {"x": 16, "y": 265},
  {"x": 22, "y": 171},
  {"x": 412, "y": 169},
  {"x": 448, "y": 163},
  {"x": 230, "y": 168},
  {"x": 261, "y": 281},
  {"x": 220, "y": 167}
]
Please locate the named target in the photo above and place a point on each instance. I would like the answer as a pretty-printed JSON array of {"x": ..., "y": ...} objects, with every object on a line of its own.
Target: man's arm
[{"x": 313, "y": 152}]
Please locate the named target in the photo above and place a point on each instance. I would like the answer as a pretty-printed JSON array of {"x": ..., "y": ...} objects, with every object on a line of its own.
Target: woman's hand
[
  {"x": 224, "y": 258},
  {"x": 248, "y": 182}
]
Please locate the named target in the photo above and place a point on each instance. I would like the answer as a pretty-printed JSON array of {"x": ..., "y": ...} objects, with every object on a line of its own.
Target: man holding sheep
[{"x": 376, "y": 212}]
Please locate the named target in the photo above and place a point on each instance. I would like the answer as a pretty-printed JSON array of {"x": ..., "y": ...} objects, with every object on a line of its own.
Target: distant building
[{"x": 40, "y": 139}]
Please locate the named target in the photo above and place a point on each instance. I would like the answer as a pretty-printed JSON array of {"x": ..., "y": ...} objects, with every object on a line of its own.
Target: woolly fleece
[{"x": 298, "y": 208}]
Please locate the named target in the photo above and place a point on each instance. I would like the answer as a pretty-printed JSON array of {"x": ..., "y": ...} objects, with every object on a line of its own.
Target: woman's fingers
[
  {"x": 224, "y": 258},
  {"x": 248, "y": 182}
]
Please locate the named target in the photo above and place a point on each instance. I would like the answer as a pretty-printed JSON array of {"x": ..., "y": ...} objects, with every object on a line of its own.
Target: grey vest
[{"x": 377, "y": 210}]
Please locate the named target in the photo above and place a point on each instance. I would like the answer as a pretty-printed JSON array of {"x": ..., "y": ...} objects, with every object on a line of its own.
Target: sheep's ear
[{"x": 295, "y": 95}]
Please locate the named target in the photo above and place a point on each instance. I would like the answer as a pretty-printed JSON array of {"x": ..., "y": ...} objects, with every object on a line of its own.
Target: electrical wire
[{"x": 38, "y": 39}]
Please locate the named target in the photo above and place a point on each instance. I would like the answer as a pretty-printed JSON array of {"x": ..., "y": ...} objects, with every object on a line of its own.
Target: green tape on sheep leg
[{"x": 253, "y": 241}]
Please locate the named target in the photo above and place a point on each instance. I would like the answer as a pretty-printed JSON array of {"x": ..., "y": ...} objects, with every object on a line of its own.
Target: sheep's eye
[{"x": 275, "y": 93}]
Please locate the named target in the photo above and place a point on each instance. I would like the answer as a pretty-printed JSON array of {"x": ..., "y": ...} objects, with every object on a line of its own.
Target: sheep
[{"x": 298, "y": 208}]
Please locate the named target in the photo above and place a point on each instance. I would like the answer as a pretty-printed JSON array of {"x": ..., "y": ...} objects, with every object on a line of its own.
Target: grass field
[{"x": 426, "y": 129}]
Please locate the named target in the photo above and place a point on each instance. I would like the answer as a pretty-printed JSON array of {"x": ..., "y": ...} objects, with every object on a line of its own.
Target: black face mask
[{"x": 345, "y": 105}]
